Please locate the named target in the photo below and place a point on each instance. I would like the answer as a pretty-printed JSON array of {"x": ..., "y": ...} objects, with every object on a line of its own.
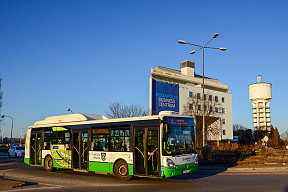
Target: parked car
[{"x": 16, "y": 151}]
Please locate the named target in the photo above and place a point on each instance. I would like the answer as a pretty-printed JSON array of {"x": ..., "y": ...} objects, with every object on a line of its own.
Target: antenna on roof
[{"x": 70, "y": 110}]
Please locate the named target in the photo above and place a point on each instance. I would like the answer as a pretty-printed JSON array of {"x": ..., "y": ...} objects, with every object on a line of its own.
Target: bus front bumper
[{"x": 178, "y": 170}]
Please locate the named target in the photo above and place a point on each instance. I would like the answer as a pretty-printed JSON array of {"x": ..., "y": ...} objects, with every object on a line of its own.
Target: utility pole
[{"x": 3, "y": 133}]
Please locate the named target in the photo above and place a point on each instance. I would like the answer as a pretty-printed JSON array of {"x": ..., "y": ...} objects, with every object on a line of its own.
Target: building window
[
  {"x": 216, "y": 98},
  {"x": 205, "y": 97},
  {"x": 205, "y": 107},
  {"x": 210, "y": 97},
  {"x": 211, "y": 108},
  {"x": 190, "y": 94},
  {"x": 198, "y": 95},
  {"x": 199, "y": 107},
  {"x": 223, "y": 110},
  {"x": 223, "y": 121},
  {"x": 216, "y": 109},
  {"x": 224, "y": 132},
  {"x": 223, "y": 99},
  {"x": 190, "y": 106}
]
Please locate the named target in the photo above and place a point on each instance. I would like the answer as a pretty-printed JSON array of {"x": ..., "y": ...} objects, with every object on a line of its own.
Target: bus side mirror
[{"x": 167, "y": 129}]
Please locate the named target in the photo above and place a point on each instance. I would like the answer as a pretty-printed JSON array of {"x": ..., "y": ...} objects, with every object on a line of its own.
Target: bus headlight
[{"x": 170, "y": 164}]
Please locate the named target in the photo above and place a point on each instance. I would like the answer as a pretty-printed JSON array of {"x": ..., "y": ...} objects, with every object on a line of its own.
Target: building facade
[
  {"x": 260, "y": 95},
  {"x": 181, "y": 91}
]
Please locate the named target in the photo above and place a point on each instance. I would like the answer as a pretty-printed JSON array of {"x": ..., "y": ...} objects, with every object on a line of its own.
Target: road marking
[{"x": 116, "y": 185}]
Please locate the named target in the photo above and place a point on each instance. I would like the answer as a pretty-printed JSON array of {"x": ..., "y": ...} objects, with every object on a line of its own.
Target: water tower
[{"x": 260, "y": 95}]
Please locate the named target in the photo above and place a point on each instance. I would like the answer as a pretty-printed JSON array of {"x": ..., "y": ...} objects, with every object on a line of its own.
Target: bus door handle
[{"x": 152, "y": 153}]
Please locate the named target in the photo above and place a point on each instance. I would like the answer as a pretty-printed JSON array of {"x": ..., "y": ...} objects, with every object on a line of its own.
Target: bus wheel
[
  {"x": 121, "y": 170},
  {"x": 48, "y": 163}
]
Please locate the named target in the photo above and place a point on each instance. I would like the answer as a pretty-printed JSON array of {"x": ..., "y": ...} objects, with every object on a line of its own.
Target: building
[
  {"x": 182, "y": 92},
  {"x": 260, "y": 95}
]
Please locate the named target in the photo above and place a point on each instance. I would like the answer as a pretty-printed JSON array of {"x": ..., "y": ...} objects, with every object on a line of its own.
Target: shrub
[{"x": 205, "y": 153}]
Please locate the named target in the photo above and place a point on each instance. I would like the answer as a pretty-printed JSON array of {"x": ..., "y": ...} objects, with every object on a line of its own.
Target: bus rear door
[
  {"x": 36, "y": 147},
  {"x": 80, "y": 151}
]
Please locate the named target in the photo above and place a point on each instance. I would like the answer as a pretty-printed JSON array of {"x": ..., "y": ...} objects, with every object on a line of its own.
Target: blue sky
[{"x": 85, "y": 55}]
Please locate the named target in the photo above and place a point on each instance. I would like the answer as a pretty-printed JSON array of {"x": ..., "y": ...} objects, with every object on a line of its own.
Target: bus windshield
[{"x": 179, "y": 136}]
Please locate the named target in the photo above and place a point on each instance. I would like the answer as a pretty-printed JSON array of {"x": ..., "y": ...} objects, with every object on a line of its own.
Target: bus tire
[
  {"x": 48, "y": 163},
  {"x": 121, "y": 170}
]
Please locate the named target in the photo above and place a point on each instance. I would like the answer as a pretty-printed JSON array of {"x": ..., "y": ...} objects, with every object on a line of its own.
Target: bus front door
[
  {"x": 146, "y": 156},
  {"x": 80, "y": 152},
  {"x": 36, "y": 148}
]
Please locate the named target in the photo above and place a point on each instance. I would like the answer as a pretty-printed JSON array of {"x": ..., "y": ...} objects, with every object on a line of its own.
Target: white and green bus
[{"x": 154, "y": 146}]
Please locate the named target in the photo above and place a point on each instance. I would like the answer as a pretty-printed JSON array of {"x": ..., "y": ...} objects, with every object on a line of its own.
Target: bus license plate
[{"x": 186, "y": 171}]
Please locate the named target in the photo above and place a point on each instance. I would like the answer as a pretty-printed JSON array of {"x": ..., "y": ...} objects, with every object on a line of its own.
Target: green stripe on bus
[
  {"x": 27, "y": 161},
  {"x": 103, "y": 167},
  {"x": 130, "y": 167}
]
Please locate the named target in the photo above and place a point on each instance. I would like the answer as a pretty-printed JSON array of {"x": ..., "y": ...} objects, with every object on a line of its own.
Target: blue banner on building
[{"x": 165, "y": 97}]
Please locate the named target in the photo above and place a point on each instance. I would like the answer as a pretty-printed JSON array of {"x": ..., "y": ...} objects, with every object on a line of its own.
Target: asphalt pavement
[
  {"x": 3, "y": 155},
  {"x": 208, "y": 178}
]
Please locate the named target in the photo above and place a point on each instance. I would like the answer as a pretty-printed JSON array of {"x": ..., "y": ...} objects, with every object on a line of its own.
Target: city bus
[{"x": 151, "y": 146}]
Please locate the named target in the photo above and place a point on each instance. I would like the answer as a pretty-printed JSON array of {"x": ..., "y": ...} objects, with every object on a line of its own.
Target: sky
[{"x": 85, "y": 55}]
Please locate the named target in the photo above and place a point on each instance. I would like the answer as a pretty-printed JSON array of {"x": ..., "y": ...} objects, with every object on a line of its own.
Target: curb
[
  {"x": 252, "y": 168},
  {"x": 9, "y": 184}
]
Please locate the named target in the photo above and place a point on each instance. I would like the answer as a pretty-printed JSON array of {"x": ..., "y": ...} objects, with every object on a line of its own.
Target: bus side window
[
  {"x": 120, "y": 139},
  {"x": 99, "y": 142},
  {"x": 49, "y": 138}
]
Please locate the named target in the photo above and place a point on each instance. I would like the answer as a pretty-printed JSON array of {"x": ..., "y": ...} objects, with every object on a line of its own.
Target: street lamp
[
  {"x": 192, "y": 52},
  {"x": 70, "y": 110},
  {"x": 12, "y": 125}
]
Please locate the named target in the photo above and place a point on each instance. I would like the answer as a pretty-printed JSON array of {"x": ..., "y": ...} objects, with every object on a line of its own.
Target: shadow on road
[{"x": 201, "y": 173}]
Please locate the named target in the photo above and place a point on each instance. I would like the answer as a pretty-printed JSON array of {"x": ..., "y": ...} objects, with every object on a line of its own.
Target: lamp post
[
  {"x": 192, "y": 52},
  {"x": 3, "y": 130},
  {"x": 12, "y": 125},
  {"x": 21, "y": 137},
  {"x": 70, "y": 110}
]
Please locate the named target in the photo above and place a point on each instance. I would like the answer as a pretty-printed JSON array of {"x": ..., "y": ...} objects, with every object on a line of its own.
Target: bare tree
[
  {"x": 212, "y": 111},
  {"x": 117, "y": 110},
  {"x": 284, "y": 137}
]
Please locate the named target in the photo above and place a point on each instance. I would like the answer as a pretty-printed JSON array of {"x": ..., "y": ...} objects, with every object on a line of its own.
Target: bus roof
[{"x": 79, "y": 119}]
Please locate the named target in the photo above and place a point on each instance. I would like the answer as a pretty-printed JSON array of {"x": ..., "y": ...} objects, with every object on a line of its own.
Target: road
[{"x": 204, "y": 180}]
